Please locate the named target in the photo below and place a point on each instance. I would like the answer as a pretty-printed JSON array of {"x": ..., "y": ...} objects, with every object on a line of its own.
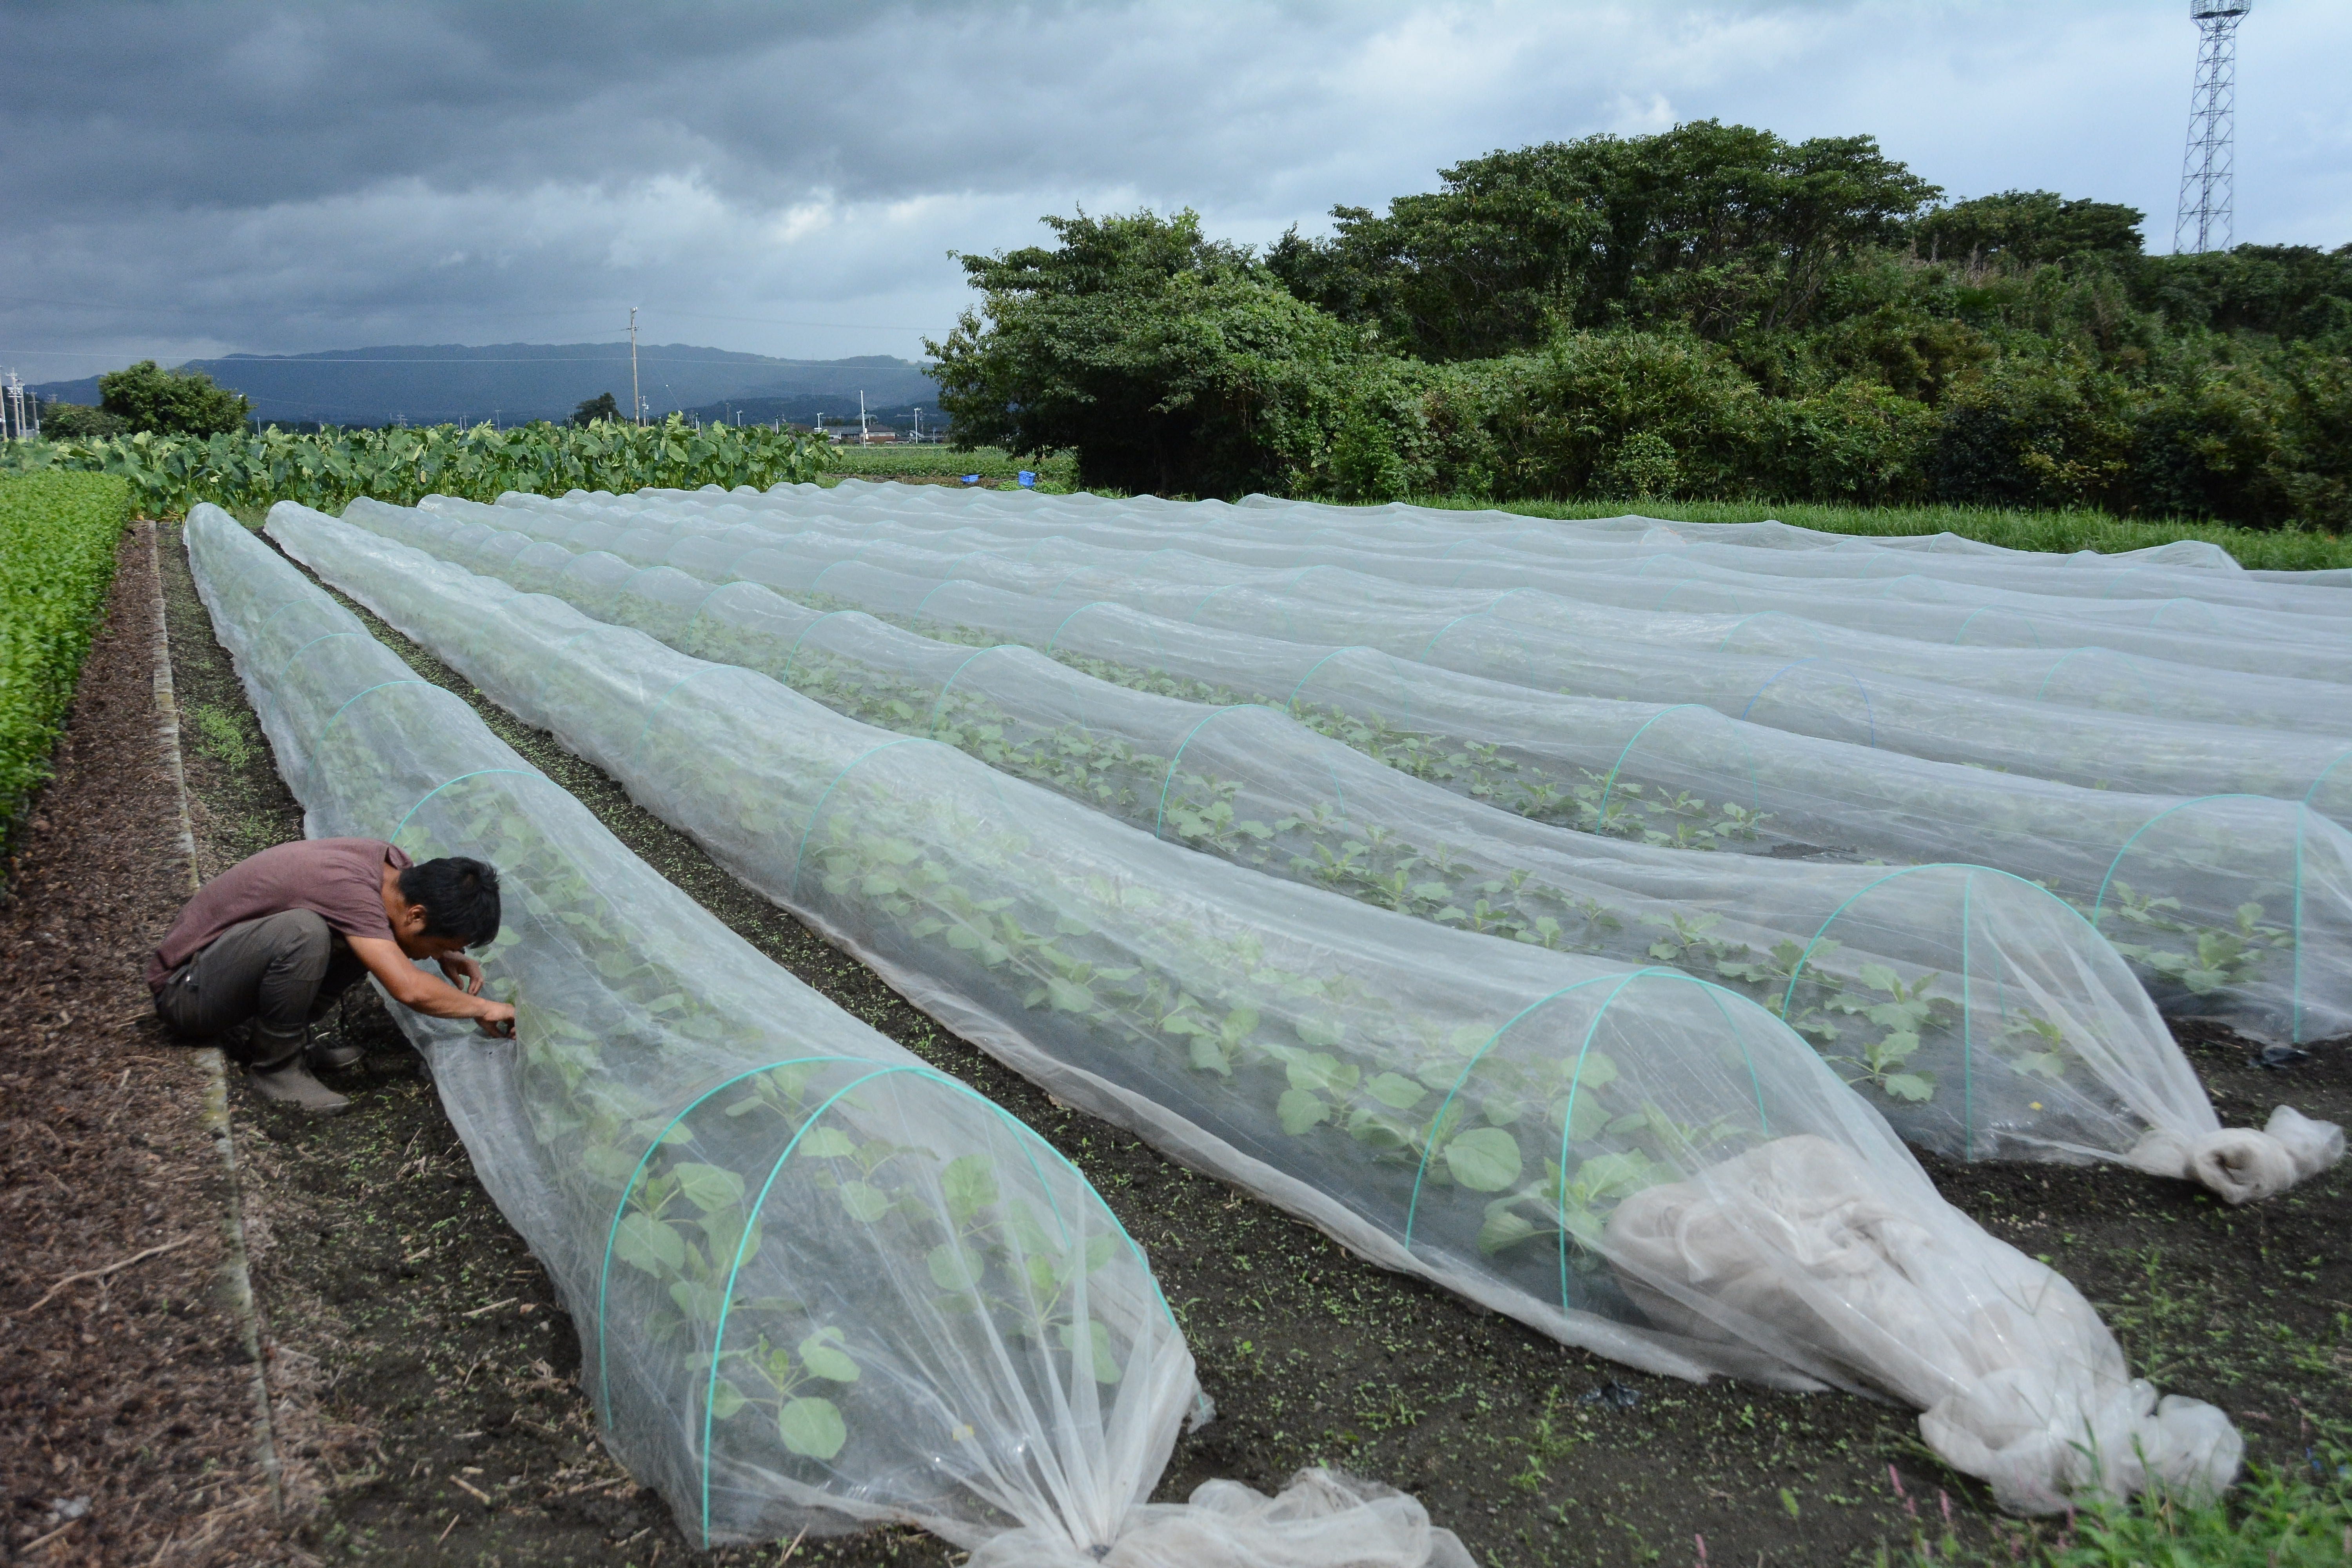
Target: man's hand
[
  {"x": 463, "y": 973},
  {"x": 499, "y": 1022}
]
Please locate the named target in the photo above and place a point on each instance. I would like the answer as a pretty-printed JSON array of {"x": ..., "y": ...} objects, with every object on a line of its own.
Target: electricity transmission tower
[{"x": 2208, "y": 168}]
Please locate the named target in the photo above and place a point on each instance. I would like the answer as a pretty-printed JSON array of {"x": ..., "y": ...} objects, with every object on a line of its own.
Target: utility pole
[
  {"x": 863, "y": 440},
  {"x": 637, "y": 402},
  {"x": 2208, "y": 170}
]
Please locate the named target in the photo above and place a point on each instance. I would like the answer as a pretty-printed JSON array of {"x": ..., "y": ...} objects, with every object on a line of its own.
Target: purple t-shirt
[{"x": 338, "y": 880}]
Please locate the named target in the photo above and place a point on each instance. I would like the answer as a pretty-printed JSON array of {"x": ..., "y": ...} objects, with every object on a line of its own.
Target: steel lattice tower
[{"x": 2207, "y": 170}]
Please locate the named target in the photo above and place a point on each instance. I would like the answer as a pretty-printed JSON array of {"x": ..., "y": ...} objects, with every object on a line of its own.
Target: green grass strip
[
  {"x": 58, "y": 537},
  {"x": 2283, "y": 550}
]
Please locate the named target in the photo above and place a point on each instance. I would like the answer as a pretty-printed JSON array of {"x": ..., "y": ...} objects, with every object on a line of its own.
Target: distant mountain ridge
[{"x": 440, "y": 383}]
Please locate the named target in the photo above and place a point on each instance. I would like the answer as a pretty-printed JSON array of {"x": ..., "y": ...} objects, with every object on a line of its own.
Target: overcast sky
[{"x": 180, "y": 180}]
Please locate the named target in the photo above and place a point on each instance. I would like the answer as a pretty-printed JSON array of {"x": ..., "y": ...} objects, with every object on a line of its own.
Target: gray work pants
[{"x": 280, "y": 974}]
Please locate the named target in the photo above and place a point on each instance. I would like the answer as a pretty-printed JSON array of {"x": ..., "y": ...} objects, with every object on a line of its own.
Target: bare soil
[{"x": 428, "y": 1409}]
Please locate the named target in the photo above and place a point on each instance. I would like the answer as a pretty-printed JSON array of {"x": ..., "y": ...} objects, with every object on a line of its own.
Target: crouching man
[{"x": 273, "y": 941}]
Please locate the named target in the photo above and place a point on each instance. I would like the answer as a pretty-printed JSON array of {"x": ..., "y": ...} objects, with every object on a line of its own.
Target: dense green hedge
[
  {"x": 169, "y": 474},
  {"x": 57, "y": 538}
]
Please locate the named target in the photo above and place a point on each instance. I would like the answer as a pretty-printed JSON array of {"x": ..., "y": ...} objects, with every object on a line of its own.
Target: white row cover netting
[
  {"x": 2237, "y": 907},
  {"x": 2181, "y": 569},
  {"x": 1427, "y": 622},
  {"x": 1531, "y": 638},
  {"x": 819, "y": 1285},
  {"x": 1825, "y": 698},
  {"x": 1980, "y": 1014},
  {"x": 2177, "y": 629},
  {"x": 2133, "y": 651},
  {"x": 1629, "y": 1159}
]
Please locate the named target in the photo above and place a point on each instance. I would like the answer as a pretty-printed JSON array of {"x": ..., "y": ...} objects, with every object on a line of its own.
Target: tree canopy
[
  {"x": 146, "y": 396},
  {"x": 603, "y": 405},
  {"x": 1713, "y": 310}
]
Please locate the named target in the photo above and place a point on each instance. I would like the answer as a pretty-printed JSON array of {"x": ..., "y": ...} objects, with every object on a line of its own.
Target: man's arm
[{"x": 419, "y": 992}]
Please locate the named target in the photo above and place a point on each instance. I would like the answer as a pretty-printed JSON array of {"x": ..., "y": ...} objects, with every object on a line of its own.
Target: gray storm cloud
[{"x": 187, "y": 180}]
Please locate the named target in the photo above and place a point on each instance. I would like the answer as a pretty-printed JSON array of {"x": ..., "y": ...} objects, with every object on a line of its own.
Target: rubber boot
[
  {"x": 324, "y": 1058},
  {"x": 278, "y": 1073}
]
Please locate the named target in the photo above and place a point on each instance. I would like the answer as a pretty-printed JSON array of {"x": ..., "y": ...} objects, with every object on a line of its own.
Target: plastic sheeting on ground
[
  {"x": 1982, "y": 1014},
  {"x": 1633, "y": 1160},
  {"x": 818, "y": 1284},
  {"x": 2234, "y": 907}
]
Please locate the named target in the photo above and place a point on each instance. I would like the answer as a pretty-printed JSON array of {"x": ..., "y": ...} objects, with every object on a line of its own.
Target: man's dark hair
[{"x": 460, "y": 896}]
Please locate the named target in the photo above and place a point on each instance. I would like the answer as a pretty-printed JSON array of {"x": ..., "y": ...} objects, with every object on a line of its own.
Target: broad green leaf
[
  {"x": 954, "y": 1269},
  {"x": 1485, "y": 1160},
  {"x": 645, "y": 1242},
  {"x": 822, "y": 1353},
  {"x": 1910, "y": 1085},
  {"x": 1395, "y": 1090},
  {"x": 698, "y": 1301},
  {"x": 865, "y": 1203},
  {"x": 709, "y": 1187},
  {"x": 1503, "y": 1228},
  {"x": 826, "y": 1143},
  {"x": 1300, "y": 1109},
  {"x": 969, "y": 1184},
  {"x": 725, "y": 1400},
  {"x": 812, "y": 1428}
]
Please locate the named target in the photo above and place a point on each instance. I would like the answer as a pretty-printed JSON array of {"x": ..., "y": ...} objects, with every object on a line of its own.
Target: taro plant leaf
[
  {"x": 725, "y": 1400},
  {"x": 1395, "y": 1090},
  {"x": 822, "y": 1353},
  {"x": 1485, "y": 1160},
  {"x": 812, "y": 1428}
]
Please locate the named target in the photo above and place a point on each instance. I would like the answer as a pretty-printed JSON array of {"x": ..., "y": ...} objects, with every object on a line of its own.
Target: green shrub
[
  {"x": 78, "y": 422},
  {"x": 57, "y": 538}
]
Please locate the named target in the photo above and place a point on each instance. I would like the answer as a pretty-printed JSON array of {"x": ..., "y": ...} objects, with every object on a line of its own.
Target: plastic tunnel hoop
[
  {"x": 1568, "y": 1116},
  {"x": 1074, "y": 615},
  {"x": 801, "y": 851},
  {"x": 323, "y": 636},
  {"x": 2093, "y": 648},
  {"x": 1733, "y": 630},
  {"x": 1160, "y": 819},
  {"x": 727, "y": 1300},
  {"x": 652, "y": 712},
  {"x": 793, "y": 653},
  {"x": 931, "y": 730},
  {"x": 1968, "y": 1004},
  {"x": 1608, "y": 786},
  {"x": 1567, "y": 1112},
  {"x": 354, "y": 696},
  {"x": 1870, "y": 713},
  {"x": 1963, "y": 628},
  {"x": 620, "y": 1207},
  {"x": 394, "y": 837}
]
